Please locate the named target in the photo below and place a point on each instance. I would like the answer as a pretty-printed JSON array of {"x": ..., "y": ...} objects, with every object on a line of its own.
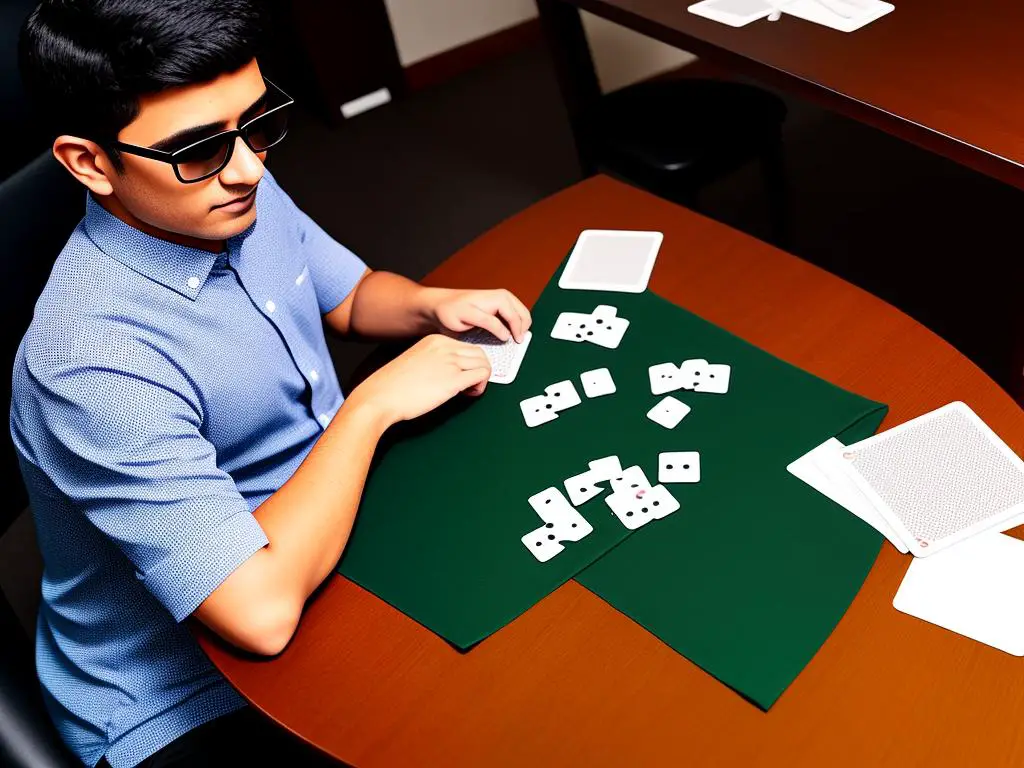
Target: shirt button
[
  {"x": 193, "y": 283},
  {"x": 325, "y": 419},
  {"x": 271, "y": 306},
  {"x": 314, "y": 375}
]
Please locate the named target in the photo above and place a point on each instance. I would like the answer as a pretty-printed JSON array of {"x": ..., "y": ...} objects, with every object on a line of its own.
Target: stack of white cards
[
  {"x": 505, "y": 357},
  {"x": 611, "y": 260},
  {"x": 843, "y": 15},
  {"x": 939, "y": 482}
]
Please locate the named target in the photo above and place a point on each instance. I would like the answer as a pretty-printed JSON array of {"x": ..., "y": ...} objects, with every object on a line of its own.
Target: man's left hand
[{"x": 497, "y": 311}]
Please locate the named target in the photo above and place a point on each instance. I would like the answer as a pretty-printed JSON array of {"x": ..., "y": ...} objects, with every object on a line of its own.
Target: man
[{"x": 180, "y": 427}]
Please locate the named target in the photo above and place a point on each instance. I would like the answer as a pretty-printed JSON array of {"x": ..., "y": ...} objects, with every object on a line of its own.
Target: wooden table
[
  {"x": 575, "y": 682},
  {"x": 940, "y": 73}
]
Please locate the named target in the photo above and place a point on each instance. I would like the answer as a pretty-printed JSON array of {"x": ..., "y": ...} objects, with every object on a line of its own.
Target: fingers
[
  {"x": 511, "y": 310},
  {"x": 473, "y": 357},
  {"x": 521, "y": 310},
  {"x": 476, "y": 365},
  {"x": 486, "y": 320},
  {"x": 473, "y": 381},
  {"x": 477, "y": 389},
  {"x": 500, "y": 302}
]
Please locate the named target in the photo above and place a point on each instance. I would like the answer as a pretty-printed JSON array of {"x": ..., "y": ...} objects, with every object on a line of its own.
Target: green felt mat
[{"x": 747, "y": 579}]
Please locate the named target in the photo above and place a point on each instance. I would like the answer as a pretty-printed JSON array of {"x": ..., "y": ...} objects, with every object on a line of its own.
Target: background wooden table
[
  {"x": 575, "y": 682},
  {"x": 940, "y": 73}
]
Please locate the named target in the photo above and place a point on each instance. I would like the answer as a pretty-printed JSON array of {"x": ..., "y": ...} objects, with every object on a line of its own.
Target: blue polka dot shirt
[{"x": 161, "y": 393}]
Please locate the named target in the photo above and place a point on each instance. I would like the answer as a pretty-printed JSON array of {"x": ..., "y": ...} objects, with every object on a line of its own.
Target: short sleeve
[
  {"x": 124, "y": 445},
  {"x": 334, "y": 270}
]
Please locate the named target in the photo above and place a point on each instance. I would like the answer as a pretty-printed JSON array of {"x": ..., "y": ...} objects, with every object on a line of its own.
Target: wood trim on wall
[{"x": 448, "y": 64}]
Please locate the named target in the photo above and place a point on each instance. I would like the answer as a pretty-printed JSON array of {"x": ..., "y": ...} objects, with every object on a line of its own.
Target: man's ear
[{"x": 86, "y": 161}]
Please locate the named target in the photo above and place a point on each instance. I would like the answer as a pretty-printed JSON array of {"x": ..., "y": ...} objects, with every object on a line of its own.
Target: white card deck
[
  {"x": 611, "y": 260},
  {"x": 506, "y": 357},
  {"x": 668, "y": 412},
  {"x": 679, "y": 467},
  {"x": 597, "y": 383},
  {"x": 940, "y": 478}
]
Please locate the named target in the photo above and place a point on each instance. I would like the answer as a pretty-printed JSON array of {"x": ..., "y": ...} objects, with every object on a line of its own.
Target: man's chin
[{"x": 225, "y": 225}]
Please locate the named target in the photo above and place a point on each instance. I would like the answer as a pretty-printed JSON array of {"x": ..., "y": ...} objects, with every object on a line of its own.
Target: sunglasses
[{"x": 208, "y": 157}]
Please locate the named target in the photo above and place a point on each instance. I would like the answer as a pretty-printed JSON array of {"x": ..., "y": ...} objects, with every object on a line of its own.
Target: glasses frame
[{"x": 231, "y": 136}]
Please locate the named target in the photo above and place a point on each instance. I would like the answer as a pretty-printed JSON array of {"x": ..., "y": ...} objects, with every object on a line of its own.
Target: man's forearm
[
  {"x": 307, "y": 522},
  {"x": 386, "y": 305}
]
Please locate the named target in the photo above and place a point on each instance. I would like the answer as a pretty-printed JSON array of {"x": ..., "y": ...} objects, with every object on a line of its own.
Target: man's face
[{"x": 215, "y": 208}]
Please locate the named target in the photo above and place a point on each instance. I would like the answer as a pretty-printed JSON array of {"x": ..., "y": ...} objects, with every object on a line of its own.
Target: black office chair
[
  {"x": 674, "y": 137},
  {"x": 39, "y": 207},
  {"x": 21, "y": 137}
]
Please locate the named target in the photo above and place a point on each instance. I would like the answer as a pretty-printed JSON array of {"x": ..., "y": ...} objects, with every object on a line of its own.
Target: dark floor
[{"x": 408, "y": 184}]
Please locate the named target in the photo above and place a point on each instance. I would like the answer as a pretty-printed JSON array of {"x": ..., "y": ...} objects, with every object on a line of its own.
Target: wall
[
  {"x": 622, "y": 56},
  {"x": 424, "y": 28}
]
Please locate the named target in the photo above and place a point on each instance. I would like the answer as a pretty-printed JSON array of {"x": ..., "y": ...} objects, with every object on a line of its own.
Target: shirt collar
[{"x": 178, "y": 267}]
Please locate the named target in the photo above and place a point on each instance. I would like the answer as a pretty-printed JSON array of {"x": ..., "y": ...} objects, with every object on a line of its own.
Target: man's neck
[{"x": 115, "y": 208}]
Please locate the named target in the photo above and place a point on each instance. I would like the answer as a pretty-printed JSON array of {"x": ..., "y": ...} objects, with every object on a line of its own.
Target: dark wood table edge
[{"x": 557, "y": 26}]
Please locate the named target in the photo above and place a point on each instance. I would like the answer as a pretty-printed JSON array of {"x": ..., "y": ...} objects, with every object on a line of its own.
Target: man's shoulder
[{"x": 83, "y": 313}]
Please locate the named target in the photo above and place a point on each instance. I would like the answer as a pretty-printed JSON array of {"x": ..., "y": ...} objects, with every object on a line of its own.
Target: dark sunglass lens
[
  {"x": 202, "y": 159},
  {"x": 266, "y": 130}
]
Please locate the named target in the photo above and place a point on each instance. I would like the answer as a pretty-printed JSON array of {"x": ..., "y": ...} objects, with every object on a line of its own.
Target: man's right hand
[{"x": 429, "y": 373}]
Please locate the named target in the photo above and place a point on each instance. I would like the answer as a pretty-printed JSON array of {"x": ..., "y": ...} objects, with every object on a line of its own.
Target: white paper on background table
[{"x": 841, "y": 15}]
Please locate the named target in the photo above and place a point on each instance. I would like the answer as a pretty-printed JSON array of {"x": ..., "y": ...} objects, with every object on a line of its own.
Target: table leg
[{"x": 574, "y": 68}]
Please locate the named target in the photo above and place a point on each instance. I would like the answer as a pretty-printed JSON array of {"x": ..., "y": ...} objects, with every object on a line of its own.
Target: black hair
[{"x": 85, "y": 63}]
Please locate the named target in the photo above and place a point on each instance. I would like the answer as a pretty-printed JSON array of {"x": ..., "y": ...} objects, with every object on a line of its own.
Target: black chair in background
[
  {"x": 674, "y": 137},
  {"x": 21, "y": 138},
  {"x": 39, "y": 207}
]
